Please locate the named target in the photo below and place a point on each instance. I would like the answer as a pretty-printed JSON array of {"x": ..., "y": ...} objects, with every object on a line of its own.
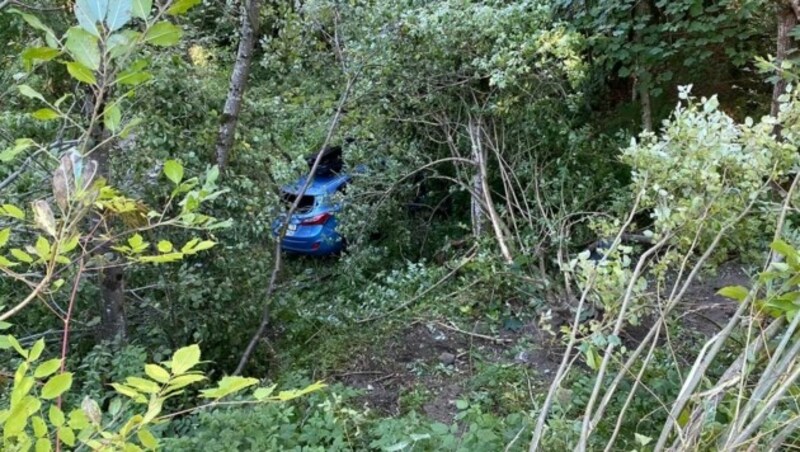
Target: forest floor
[{"x": 431, "y": 366}]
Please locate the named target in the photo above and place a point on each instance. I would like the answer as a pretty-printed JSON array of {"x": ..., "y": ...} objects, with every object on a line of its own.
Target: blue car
[{"x": 312, "y": 227}]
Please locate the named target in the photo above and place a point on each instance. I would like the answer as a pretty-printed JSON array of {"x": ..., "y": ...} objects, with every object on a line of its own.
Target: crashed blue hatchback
[{"x": 311, "y": 229}]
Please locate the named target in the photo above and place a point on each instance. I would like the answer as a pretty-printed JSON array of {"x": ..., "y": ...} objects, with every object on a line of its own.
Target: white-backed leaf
[
  {"x": 84, "y": 16},
  {"x": 119, "y": 14},
  {"x": 95, "y": 9},
  {"x": 27, "y": 91},
  {"x": 43, "y": 216},
  {"x": 141, "y": 8}
]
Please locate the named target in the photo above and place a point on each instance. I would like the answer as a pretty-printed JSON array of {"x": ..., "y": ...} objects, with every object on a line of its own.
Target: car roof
[{"x": 320, "y": 185}]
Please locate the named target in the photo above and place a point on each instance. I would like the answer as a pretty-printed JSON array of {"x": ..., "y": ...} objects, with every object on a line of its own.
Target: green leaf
[
  {"x": 163, "y": 34},
  {"x": 782, "y": 248},
  {"x": 47, "y": 368},
  {"x": 164, "y": 246},
  {"x": 143, "y": 385},
  {"x": 146, "y": 438},
  {"x": 69, "y": 244},
  {"x": 133, "y": 78},
  {"x": 193, "y": 247},
  {"x": 43, "y": 444},
  {"x": 184, "y": 359},
  {"x": 263, "y": 393},
  {"x": 29, "y": 92},
  {"x": 129, "y": 392},
  {"x": 32, "y": 54},
  {"x": 13, "y": 211},
  {"x": 4, "y": 235},
  {"x": 119, "y": 14},
  {"x": 181, "y": 6},
  {"x": 39, "y": 427},
  {"x": 295, "y": 393},
  {"x": 228, "y": 385},
  {"x": 737, "y": 293},
  {"x": 183, "y": 381},
  {"x": 120, "y": 44},
  {"x": 56, "y": 416},
  {"x": 42, "y": 248},
  {"x": 21, "y": 256},
  {"x": 112, "y": 116},
  {"x": 45, "y": 114},
  {"x": 34, "y": 22},
  {"x": 20, "y": 145},
  {"x": 641, "y": 439},
  {"x": 174, "y": 171},
  {"x": 161, "y": 258},
  {"x": 57, "y": 386},
  {"x": 141, "y": 8},
  {"x": 67, "y": 435},
  {"x": 78, "y": 419},
  {"x": 157, "y": 373},
  {"x": 81, "y": 73},
  {"x": 14, "y": 343},
  {"x": 592, "y": 358},
  {"x": 153, "y": 409},
  {"x": 83, "y": 47},
  {"x": 462, "y": 404},
  {"x": 36, "y": 350}
]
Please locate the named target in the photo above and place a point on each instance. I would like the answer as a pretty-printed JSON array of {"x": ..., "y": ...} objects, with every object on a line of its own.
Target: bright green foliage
[
  {"x": 23, "y": 420},
  {"x": 705, "y": 160}
]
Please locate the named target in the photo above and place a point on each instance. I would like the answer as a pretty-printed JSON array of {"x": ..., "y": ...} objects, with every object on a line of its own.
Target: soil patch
[{"x": 429, "y": 357}]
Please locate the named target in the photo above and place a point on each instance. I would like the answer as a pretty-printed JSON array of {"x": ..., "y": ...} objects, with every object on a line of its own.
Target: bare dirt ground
[{"x": 427, "y": 354}]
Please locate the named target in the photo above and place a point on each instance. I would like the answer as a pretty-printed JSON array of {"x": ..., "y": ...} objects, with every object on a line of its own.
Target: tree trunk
[
  {"x": 787, "y": 19},
  {"x": 478, "y": 157},
  {"x": 113, "y": 321},
  {"x": 644, "y": 97},
  {"x": 482, "y": 194},
  {"x": 643, "y": 82},
  {"x": 241, "y": 71}
]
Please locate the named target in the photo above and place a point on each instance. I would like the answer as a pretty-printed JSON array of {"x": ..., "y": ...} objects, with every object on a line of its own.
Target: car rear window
[{"x": 306, "y": 202}]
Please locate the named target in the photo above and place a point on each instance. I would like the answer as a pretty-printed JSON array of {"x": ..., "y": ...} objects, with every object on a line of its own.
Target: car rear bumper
[
  {"x": 319, "y": 245},
  {"x": 316, "y": 248}
]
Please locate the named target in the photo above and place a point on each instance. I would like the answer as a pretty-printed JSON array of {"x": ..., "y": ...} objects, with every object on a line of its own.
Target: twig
[
  {"x": 359, "y": 372},
  {"x": 13, "y": 176},
  {"x": 451, "y": 327},
  {"x": 383, "y": 378},
  {"x": 65, "y": 340}
]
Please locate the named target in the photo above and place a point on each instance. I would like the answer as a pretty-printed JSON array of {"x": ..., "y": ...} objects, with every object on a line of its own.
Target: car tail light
[{"x": 315, "y": 220}]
